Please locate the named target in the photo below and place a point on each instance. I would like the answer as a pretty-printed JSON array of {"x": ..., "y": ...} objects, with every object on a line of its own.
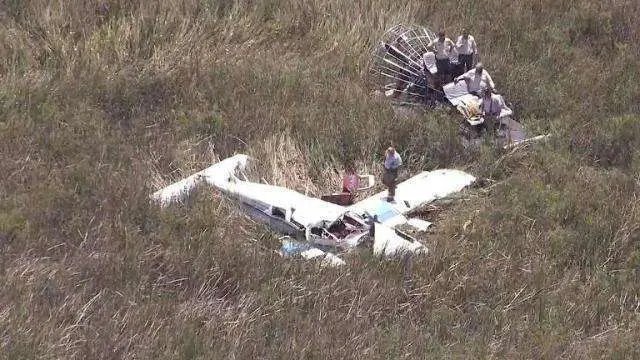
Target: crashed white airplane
[{"x": 325, "y": 225}]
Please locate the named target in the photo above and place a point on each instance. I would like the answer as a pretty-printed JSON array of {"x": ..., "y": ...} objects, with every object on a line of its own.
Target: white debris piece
[
  {"x": 389, "y": 244},
  {"x": 308, "y": 252},
  {"x": 526, "y": 141},
  {"x": 419, "y": 224},
  {"x": 332, "y": 260},
  {"x": 312, "y": 253}
]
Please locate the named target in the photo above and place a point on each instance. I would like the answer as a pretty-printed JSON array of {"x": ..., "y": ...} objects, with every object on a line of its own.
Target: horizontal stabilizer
[{"x": 217, "y": 175}]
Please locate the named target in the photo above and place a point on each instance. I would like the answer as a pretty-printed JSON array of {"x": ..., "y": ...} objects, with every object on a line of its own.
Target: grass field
[{"x": 104, "y": 102}]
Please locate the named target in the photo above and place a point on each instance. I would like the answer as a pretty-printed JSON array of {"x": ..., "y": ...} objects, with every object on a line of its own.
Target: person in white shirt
[
  {"x": 442, "y": 46},
  {"x": 467, "y": 49},
  {"x": 477, "y": 79}
]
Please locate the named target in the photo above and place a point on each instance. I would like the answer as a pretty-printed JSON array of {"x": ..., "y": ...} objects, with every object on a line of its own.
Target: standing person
[
  {"x": 442, "y": 46},
  {"x": 392, "y": 163},
  {"x": 467, "y": 49},
  {"x": 350, "y": 181}
]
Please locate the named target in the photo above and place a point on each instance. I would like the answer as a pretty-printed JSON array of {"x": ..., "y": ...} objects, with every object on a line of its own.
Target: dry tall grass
[{"x": 103, "y": 101}]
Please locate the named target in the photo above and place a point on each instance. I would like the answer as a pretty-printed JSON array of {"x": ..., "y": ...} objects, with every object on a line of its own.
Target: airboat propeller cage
[{"x": 399, "y": 63}]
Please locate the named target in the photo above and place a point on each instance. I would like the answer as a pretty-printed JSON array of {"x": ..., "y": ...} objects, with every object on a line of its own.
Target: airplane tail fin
[{"x": 218, "y": 175}]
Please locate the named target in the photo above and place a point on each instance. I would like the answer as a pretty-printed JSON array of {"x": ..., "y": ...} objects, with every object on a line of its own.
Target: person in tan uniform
[{"x": 392, "y": 163}]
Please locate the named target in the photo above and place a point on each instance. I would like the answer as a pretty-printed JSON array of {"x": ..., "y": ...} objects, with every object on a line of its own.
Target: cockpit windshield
[{"x": 384, "y": 211}]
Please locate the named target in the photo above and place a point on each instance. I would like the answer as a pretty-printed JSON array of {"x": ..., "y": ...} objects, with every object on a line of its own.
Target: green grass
[{"x": 100, "y": 104}]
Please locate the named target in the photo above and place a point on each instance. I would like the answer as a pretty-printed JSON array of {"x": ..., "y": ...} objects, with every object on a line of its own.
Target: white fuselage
[{"x": 285, "y": 210}]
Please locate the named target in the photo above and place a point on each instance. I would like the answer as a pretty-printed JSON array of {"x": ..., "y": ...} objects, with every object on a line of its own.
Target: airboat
[{"x": 403, "y": 70}]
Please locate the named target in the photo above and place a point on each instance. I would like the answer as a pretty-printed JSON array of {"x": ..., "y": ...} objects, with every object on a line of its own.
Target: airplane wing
[{"x": 412, "y": 193}]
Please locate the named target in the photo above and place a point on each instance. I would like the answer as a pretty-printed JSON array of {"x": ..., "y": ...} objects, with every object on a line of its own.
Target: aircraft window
[
  {"x": 278, "y": 212},
  {"x": 259, "y": 205},
  {"x": 385, "y": 211}
]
